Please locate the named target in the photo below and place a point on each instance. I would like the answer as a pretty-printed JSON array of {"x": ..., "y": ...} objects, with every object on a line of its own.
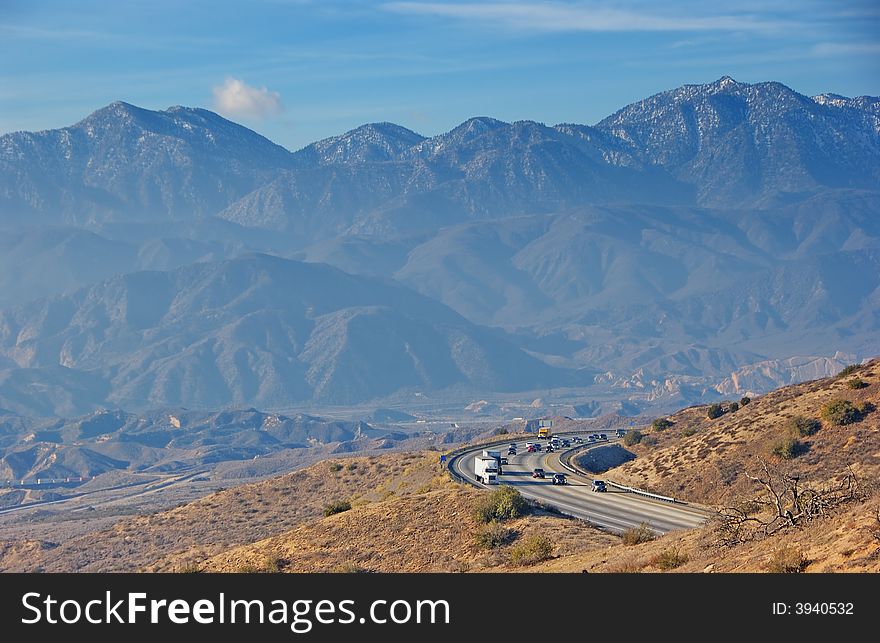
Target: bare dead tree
[{"x": 785, "y": 503}]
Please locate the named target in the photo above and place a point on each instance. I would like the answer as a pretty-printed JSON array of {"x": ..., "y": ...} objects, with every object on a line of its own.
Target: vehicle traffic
[
  {"x": 598, "y": 485},
  {"x": 486, "y": 470},
  {"x": 558, "y": 478},
  {"x": 539, "y": 473}
]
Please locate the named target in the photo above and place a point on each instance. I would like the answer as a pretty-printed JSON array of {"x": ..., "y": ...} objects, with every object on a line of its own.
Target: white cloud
[
  {"x": 535, "y": 16},
  {"x": 236, "y": 98}
]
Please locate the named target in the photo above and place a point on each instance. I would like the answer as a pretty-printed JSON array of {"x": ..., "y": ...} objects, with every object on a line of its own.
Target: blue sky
[{"x": 297, "y": 71}]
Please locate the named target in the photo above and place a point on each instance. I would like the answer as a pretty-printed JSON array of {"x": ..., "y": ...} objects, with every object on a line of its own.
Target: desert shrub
[
  {"x": 660, "y": 424},
  {"x": 335, "y": 467},
  {"x": 856, "y": 383},
  {"x": 745, "y": 400},
  {"x": 352, "y": 466},
  {"x": 840, "y": 412},
  {"x": 734, "y": 407},
  {"x": 669, "y": 559},
  {"x": 848, "y": 370},
  {"x": 637, "y": 535},
  {"x": 189, "y": 568},
  {"x": 649, "y": 440},
  {"x": 273, "y": 564},
  {"x": 787, "y": 447},
  {"x": 787, "y": 560},
  {"x": 629, "y": 565},
  {"x": 714, "y": 411},
  {"x": 688, "y": 432},
  {"x": 632, "y": 438},
  {"x": 502, "y": 504},
  {"x": 502, "y": 431},
  {"x": 494, "y": 535},
  {"x": 804, "y": 426},
  {"x": 336, "y": 507},
  {"x": 532, "y": 550}
]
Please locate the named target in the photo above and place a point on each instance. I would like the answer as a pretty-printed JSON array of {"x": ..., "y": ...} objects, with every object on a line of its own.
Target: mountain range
[{"x": 174, "y": 258}]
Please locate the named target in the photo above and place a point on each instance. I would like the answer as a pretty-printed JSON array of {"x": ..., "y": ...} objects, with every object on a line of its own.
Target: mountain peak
[
  {"x": 382, "y": 141},
  {"x": 726, "y": 82},
  {"x": 481, "y": 124}
]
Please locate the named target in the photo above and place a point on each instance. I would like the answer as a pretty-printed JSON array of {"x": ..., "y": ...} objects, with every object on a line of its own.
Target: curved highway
[{"x": 613, "y": 510}]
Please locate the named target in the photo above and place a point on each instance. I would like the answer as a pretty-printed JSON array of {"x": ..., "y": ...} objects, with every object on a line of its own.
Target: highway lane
[{"x": 612, "y": 510}]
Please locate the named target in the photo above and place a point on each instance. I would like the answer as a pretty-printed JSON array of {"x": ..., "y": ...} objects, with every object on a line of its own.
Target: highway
[{"x": 613, "y": 510}]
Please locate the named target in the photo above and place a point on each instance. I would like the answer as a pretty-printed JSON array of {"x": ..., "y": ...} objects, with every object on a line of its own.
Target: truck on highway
[
  {"x": 492, "y": 453},
  {"x": 544, "y": 432},
  {"x": 486, "y": 470}
]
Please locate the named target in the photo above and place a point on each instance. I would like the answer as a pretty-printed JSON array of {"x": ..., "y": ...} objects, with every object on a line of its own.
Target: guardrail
[
  {"x": 453, "y": 455},
  {"x": 639, "y": 492}
]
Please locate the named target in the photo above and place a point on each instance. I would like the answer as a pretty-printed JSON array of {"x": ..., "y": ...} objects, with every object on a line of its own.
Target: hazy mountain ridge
[
  {"x": 259, "y": 330},
  {"x": 685, "y": 237},
  {"x": 720, "y": 144}
]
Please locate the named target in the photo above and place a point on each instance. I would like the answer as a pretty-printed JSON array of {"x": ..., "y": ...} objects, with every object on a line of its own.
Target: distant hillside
[
  {"x": 256, "y": 330},
  {"x": 167, "y": 441}
]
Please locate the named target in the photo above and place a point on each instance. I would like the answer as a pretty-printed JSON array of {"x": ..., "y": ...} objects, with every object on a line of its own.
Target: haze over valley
[{"x": 182, "y": 299}]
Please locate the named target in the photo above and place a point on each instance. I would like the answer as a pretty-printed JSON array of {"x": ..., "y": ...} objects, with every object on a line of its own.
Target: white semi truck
[
  {"x": 486, "y": 470},
  {"x": 492, "y": 453}
]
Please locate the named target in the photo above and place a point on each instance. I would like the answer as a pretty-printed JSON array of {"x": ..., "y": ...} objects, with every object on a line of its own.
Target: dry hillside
[
  {"x": 705, "y": 460},
  {"x": 221, "y": 520},
  {"x": 847, "y": 541},
  {"x": 433, "y": 532}
]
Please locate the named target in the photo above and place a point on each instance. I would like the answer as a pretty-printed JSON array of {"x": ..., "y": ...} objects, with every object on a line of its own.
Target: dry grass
[{"x": 433, "y": 532}]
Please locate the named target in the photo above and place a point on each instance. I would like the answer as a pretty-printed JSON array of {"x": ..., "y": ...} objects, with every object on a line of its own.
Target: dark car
[
  {"x": 578, "y": 439},
  {"x": 603, "y": 436},
  {"x": 598, "y": 485},
  {"x": 537, "y": 446},
  {"x": 558, "y": 478},
  {"x": 538, "y": 473},
  {"x": 550, "y": 448},
  {"x": 566, "y": 443},
  {"x": 511, "y": 452},
  {"x": 504, "y": 461}
]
